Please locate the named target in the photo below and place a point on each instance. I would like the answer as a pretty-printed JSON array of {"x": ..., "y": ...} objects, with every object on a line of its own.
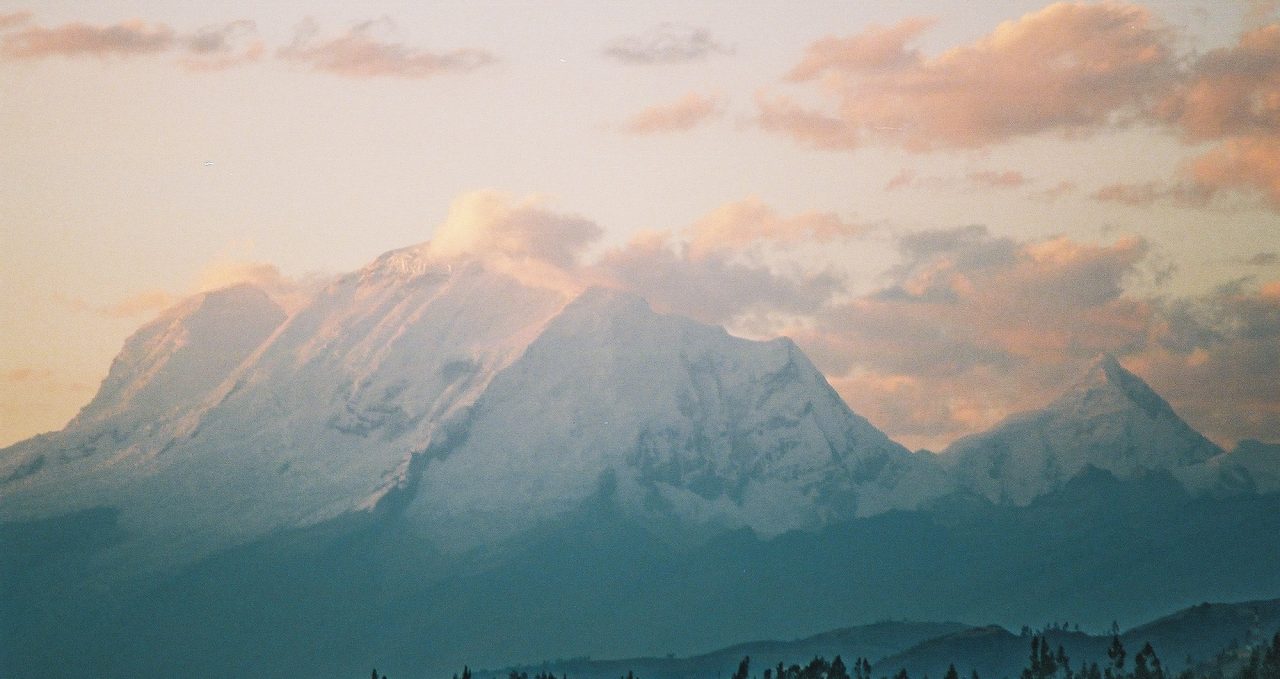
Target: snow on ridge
[
  {"x": 684, "y": 420},
  {"x": 1110, "y": 419}
]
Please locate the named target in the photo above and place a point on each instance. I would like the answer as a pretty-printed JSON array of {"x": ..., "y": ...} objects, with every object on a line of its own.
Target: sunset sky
[{"x": 951, "y": 206}]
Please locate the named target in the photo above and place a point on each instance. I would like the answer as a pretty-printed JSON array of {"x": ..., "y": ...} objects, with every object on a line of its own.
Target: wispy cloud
[
  {"x": 125, "y": 39},
  {"x": 992, "y": 179},
  {"x": 666, "y": 43},
  {"x": 365, "y": 51},
  {"x": 214, "y": 46},
  {"x": 1069, "y": 68},
  {"x": 26, "y": 375},
  {"x": 685, "y": 113},
  {"x": 12, "y": 19}
]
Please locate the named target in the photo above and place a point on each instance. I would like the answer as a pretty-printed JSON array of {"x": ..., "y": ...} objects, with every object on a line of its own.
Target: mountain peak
[
  {"x": 1108, "y": 376},
  {"x": 1110, "y": 419}
]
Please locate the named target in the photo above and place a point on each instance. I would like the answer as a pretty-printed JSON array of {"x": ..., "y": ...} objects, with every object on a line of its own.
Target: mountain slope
[
  {"x": 689, "y": 424},
  {"x": 163, "y": 371},
  {"x": 1109, "y": 420}
]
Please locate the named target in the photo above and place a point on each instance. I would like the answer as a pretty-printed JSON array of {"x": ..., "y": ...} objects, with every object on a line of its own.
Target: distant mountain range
[
  {"x": 1188, "y": 638},
  {"x": 441, "y": 460}
]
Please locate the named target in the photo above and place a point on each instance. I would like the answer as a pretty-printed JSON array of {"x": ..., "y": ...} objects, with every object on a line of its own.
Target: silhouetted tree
[
  {"x": 951, "y": 673},
  {"x": 864, "y": 667},
  {"x": 1270, "y": 667},
  {"x": 743, "y": 668},
  {"x": 1116, "y": 653},
  {"x": 838, "y": 670},
  {"x": 902, "y": 674}
]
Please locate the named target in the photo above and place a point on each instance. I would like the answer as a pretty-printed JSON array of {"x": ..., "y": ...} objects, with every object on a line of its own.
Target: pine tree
[
  {"x": 902, "y": 674},
  {"x": 951, "y": 673},
  {"x": 1116, "y": 653},
  {"x": 1064, "y": 663},
  {"x": 838, "y": 670},
  {"x": 1270, "y": 667},
  {"x": 743, "y": 668}
]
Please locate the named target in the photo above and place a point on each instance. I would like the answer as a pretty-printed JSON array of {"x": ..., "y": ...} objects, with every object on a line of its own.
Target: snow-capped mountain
[
  {"x": 164, "y": 370},
  {"x": 222, "y": 421},
  {"x": 1110, "y": 420},
  {"x": 683, "y": 419}
]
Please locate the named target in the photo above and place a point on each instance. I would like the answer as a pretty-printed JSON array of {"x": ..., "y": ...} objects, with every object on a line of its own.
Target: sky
[{"x": 952, "y": 207}]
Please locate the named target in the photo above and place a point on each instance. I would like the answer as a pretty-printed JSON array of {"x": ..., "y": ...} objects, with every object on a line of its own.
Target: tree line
[{"x": 1043, "y": 662}]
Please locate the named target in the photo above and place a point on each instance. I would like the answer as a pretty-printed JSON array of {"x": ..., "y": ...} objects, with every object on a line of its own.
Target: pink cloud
[
  {"x": 360, "y": 53},
  {"x": 26, "y": 375},
  {"x": 903, "y": 179},
  {"x": 991, "y": 179},
  {"x": 984, "y": 325},
  {"x": 129, "y": 38},
  {"x": 492, "y": 223},
  {"x": 1243, "y": 163},
  {"x": 682, "y": 114},
  {"x": 743, "y": 224},
  {"x": 12, "y": 19},
  {"x": 1069, "y": 68},
  {"x": 1056, "y": 191}
]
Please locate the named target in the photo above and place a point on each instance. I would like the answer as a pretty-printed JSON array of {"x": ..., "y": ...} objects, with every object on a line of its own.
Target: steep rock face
[
  {"x": 680, "y": 420},
  {"x": 1110, "y": 420}
]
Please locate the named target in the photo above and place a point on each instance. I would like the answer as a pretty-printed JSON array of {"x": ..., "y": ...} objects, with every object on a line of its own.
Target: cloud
[
  {"x": 685, "y": 113},
  {"x": 716, "y": 287},
  {"x": 1251, "y": 164},
  {"x": 970, "y": 327},
  {"x": 905, "y": 178},
  {"x": 222, "y": 46},
  {"x": 13, "y": 19},
  {"x": 734, "y": 264},
  {"x": 492, "y": 223},
  {"x": 1056, "y": 191},
  {"x": 26, "y": 375},
  {"x": 879, "y": 48},
  {"x": 666, "y": 43},
  {"x": 741, "y": 225},
  {"x": 1143, "y": 194},
  {"x": 991, "y": 179},
  {"x": 125, "y": 39},
  {"x": 212, "y": 47},
  {"x": 1230, "y": 95},
  {"x": 1231, "y": 91},
  {"x": 360, "y": 53},
  {"x": 1214, "y": 358},
  {"x": 1068, "y": 68}
]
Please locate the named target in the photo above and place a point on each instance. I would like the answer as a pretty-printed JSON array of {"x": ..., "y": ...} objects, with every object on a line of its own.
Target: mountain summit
[
  {"x": 490, "y": 401},
  {"x": 1110, "y": 419},
  {"x": 687, "y": 423}
]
